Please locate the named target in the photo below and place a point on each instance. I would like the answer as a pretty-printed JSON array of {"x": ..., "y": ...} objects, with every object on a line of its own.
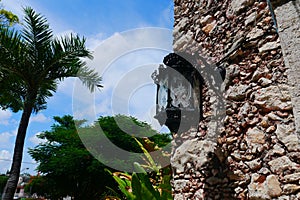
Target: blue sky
[{"x": 129, "y": 39}]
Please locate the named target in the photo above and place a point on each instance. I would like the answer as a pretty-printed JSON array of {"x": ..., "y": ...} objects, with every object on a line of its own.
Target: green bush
[
  {"x": 141, "y": 185},
  {"x": 3, "y": 180}
]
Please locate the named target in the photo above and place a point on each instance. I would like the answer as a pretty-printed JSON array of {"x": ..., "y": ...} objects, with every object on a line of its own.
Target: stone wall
[
  {"x": 288, "y": 19},
  {"x": 246, "y": 146}
]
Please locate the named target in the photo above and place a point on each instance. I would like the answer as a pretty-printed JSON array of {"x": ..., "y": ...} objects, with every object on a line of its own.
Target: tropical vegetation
[
  {"x": 7, "y": 18},
  {"x": 63, "y": 157},
  {"x": 151, "y": 185},
  {"x": 32, "y": 63}
]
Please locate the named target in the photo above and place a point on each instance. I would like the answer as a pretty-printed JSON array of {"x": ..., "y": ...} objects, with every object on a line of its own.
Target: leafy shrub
[{"x": 140, "y": 185}]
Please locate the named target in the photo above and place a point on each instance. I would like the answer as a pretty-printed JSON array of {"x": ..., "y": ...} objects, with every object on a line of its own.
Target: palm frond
[
  {"x": 89, "y": 78},
  {"x": 67, "y": 61},
  {"x": 37, "y": 35},
  {"x": 13, "y": 50},
  {"x": 12, "y": 92},
  {"x": 12, "y": 84},
  {"x": 32, "y": 62},
  {"x": 45, "y": 91}
]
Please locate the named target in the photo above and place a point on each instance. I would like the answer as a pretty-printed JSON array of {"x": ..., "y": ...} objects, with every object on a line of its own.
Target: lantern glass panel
[
  {"x": 181, "y": 92},
  {"x": 163, "y": 94}
]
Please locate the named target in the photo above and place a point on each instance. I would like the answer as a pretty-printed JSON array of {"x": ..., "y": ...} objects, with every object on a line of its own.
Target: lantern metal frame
[{"x": 178, "y": 116}]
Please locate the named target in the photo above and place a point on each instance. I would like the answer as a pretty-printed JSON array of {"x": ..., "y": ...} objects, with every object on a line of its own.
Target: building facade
[{"x": 247, "y": 144}]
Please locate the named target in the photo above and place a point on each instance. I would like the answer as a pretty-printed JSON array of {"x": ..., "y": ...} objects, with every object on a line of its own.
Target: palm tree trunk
[{"x": 11, "y": 185}]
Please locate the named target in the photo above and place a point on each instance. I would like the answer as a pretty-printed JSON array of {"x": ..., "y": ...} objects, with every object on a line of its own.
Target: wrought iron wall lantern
[{"x": 178, "y": 99}]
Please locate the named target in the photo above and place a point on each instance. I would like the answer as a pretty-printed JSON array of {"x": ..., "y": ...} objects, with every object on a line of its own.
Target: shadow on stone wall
[
  {"x": 213, "y": 180},
  {"x": 217, "y": 178}
]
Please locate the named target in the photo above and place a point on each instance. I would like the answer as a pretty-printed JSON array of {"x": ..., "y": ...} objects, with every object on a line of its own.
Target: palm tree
[{"x": 32, "y": 63}]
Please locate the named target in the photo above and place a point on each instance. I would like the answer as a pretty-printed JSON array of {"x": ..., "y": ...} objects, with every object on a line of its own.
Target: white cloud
[
  {"x": 4, "y": 154},
  {"x": 167, "y": 16},
  {"x": 14, "y": 6},
  {"x": 35, "y": 140},
  {"x": 93, "y": 42},
  {"x": 5, "y": 116},
  {"x": 126, "y": 62},
  {"x": 103, "y": 106},
  {"x": 5, "y": 138},
  {"x": 5, "y": 160},
  {"x": 41, "y": 118},
  {"x": 14, "y": 132},
  {"x": 66, "y": 86}
]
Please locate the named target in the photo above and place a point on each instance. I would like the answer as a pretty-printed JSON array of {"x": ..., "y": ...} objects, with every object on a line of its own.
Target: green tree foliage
[
  {"x": 64, "y": 159},
  {"x": 120, "y": 130},
  {"x": 3, "y": 180},
  {"x": 7, "y": 18},
  {"x": 37, "y": 184},
  {"x": 32, "y": 63}
]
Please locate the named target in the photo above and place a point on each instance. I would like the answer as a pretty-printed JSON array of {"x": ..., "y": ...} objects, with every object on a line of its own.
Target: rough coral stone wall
[
  {"x": 288, "y": 19},
  {"x": 247, "y": 147}
]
